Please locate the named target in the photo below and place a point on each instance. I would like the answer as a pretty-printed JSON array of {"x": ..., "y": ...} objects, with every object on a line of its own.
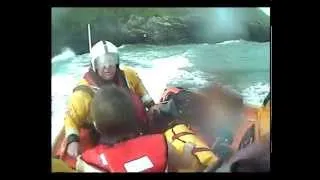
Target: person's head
[
  {"x": 185, "y": 104},
  {"x": 112, "y": 112},
  {"x": 104, "y": 59},
  {"x": 191, "y": 106}
]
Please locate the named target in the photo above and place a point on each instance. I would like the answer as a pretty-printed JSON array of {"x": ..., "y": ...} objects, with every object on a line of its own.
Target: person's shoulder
[
  {"x": 82, "y": 82},
  {"x": 129, "y": 72},
  {"x": 83, "y": 86},
  {"x": 128, "y": 69}
]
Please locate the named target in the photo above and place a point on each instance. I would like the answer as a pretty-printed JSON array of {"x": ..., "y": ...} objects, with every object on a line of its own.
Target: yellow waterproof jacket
[
  {"x": 79, "y": 102},
  {"x": 57, "y": 165},
  {"x": 263, "y": 122}
]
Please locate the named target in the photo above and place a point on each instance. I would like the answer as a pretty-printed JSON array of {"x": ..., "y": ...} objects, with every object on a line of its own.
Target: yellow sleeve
[
  {"x": 205, "y": 157},
  {"x": 77, "y": 112},
  {"x": 263, "y": 123},
  {"x": 136, "y": 84},
  {"x": 57, "y": 165}
]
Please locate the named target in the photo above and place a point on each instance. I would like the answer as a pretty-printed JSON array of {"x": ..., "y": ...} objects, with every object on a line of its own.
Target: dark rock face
[
  {"x": 259, "y": 32},
  {"x": 202, "y": 26}
]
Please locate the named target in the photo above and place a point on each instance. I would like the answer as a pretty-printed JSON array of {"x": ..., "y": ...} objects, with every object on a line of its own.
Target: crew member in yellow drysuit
[{"x": 104, "y": 69}]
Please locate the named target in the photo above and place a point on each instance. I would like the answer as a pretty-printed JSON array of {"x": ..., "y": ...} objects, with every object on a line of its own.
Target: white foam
[
  {"x": 65, "y": 55},
  {"x": 255, "y": 94},
  {"x": 163, "y": 71},
  {"x": 61, "y": 88},
  {"x": 229, "y": 42},
  {"x": 122, "y": 46}
]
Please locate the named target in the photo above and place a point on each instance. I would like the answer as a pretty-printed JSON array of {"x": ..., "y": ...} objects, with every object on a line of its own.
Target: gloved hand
[{"x": 222, "y": 150}]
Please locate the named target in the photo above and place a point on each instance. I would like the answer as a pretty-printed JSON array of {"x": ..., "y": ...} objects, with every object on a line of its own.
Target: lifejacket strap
[
  {"x": 178, "y": 135},
  {"x": 200, "y": 149}
]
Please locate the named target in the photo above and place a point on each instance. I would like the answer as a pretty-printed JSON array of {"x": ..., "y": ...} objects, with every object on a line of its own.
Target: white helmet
[{"x": 101, "y": 48}]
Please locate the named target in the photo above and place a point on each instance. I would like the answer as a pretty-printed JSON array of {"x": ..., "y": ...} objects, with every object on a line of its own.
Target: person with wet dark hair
[{"x": 113, "y": 113}]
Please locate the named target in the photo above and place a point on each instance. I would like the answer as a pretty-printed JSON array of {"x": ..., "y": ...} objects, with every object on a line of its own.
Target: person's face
[{"x": 106, "y": 66}]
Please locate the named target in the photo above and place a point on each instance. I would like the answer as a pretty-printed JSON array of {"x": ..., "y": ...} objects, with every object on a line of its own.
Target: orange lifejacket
[
  {"x": 169, "y": 91},
  {"x": 142, "y": 154}
]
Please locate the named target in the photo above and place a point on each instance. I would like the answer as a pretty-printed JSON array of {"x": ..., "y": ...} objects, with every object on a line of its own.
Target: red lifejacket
[{"x": 142, "y": 154}]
